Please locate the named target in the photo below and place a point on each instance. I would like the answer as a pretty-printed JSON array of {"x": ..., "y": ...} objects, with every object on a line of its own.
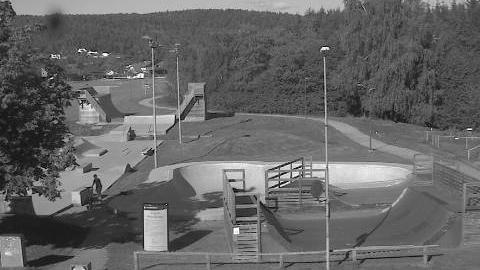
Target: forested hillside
[{"x": 400, "y": 60}]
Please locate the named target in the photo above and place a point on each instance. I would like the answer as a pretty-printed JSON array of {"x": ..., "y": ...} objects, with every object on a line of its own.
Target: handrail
[{"x": 285, "y": 164}]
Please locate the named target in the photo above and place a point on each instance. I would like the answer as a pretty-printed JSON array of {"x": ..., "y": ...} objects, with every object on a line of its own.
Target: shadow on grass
[
  {"x": 49, "y": 259},
  {"x": 218, "y": 114}
]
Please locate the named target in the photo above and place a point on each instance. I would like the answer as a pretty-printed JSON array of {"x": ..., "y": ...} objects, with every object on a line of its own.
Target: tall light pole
[
  {"x": 178, "y": 98},
  {"x": 153, "y": 45},
  {"x": 324, "y": 52}
]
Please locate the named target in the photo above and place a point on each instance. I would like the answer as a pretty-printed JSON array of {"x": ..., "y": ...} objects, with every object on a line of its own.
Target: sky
[{"x": 42, "y": 7}]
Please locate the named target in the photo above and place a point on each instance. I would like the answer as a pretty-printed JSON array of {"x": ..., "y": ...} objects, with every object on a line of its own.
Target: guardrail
[{"x": 354, "y": 255}]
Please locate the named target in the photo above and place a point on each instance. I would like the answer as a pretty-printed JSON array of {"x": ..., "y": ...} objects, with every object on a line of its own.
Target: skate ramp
[{"x": 416, "y": 218}]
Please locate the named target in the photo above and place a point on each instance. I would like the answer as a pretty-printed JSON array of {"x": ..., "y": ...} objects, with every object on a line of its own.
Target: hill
[{"x": 399, "y": 60}]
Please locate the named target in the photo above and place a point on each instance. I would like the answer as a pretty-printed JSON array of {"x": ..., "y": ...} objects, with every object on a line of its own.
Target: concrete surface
[
  {"x": 415, "y": 219},
  {"x": 198, "y": 180},
  {"x": 109, "y": 167},
  {"x": 207, "y": 176}
]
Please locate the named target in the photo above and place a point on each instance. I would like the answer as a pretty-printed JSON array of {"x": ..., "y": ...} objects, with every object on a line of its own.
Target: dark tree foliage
[
  {"x": 33, "y": 142},
  {"x": 396, "y": 59}
]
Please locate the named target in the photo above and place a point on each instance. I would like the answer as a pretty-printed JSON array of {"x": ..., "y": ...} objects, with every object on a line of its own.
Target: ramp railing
[{"x": 290, "y": 183}]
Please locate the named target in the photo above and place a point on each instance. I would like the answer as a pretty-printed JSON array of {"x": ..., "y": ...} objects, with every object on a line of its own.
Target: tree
[{"x": 34, "y": 146}]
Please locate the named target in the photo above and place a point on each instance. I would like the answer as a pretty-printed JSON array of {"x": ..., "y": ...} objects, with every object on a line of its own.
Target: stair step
[
  {"x": 245, "y": 206},
  {"x": 246, "y": 218}
]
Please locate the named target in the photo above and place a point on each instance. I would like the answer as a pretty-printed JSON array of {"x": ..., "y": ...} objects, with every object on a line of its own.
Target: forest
[{"x": 394, "y": 59}]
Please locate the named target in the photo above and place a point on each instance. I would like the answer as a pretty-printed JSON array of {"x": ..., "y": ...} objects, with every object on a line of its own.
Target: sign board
[
  {"x": 12, "y": 253},
  {"x": 236, "y": 230},
  {"x": 81, "y": 266},
  {"x": 155, "y": 226}
]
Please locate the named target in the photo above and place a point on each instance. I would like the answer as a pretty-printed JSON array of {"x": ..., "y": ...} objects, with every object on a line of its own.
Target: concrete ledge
[{"x": 87, "y": 167}]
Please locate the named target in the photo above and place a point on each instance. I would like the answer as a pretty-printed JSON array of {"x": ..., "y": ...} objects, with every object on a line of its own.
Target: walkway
[{"x": 355, "y": 135}]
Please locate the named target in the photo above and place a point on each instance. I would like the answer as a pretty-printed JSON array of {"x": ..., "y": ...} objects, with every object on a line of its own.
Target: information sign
[{"x": 155, "y": 227}]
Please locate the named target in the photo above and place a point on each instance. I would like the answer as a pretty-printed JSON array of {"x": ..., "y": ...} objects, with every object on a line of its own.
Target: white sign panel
[{"x": 155, "y": 227}]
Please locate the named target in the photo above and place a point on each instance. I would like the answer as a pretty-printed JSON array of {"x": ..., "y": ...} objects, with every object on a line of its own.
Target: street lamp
[
  {"x": 153, "y": 45},
  {"x": 178, "y": 97},
  {"x": 369, "y": 92},
  {"x": 324, "y": 52},
  {"x": 370, "y": 149}
]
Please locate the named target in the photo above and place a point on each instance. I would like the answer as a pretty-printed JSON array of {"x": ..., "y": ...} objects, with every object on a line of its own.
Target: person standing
[{"x": 98, "y": 185}]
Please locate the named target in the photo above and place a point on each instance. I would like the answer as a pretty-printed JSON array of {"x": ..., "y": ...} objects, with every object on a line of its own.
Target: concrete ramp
[
  {"x": 143, "y": 125},
  {"x": 415, "y": 218}
]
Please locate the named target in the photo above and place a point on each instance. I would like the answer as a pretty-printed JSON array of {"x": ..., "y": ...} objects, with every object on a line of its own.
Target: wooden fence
[{"x": 148, "y": 259}]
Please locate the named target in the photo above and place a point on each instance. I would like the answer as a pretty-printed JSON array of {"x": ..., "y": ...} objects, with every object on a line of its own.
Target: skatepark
[{"x": 379, "y": 201}]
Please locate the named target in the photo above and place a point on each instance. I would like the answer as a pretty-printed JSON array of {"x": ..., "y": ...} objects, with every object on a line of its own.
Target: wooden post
[
  {"x": 425, "y": 256},
  {"x": 354, "y": 257},
  {"x": 207, "y": 257},
  {"x": 267, "y": 202},
  {"x": 135, "y": 261},
  {"x": 259, "y": 228},
  {"x": 280, "y": 265},
  {"x": 464, "y": 209},
  {"x": 291, "y": 168},
  {"x": 303, "y": 167},
  {"x": 300, "y": 193}
]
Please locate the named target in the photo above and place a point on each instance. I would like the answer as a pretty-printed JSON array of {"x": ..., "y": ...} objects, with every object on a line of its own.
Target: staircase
[
  {"x": 471, "y": 227},
  {"x": 242, "y": 217},
  {"x": 193, "y": 107},
  {"x": 247, "y": 242}
]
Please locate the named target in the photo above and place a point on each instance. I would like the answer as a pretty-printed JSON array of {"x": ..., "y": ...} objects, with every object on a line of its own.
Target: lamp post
[
  {"x": 178, "y": 98},
  {"x": 153, "y": 45},
  {"x": 324, "y": 52},
  {"x": 370, "y": 149}
]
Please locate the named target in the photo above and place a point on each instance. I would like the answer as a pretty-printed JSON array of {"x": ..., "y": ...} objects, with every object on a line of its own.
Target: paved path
[{"x": 356, "y": 135}]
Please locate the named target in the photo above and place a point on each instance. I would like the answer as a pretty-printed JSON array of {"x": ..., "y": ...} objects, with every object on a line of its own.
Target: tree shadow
[
  {"x": 218, "y": 114},
  {"x": 188, "y": 239},
  {"x": 49, "y": 259},
  {"x": 44, "y": 230}
]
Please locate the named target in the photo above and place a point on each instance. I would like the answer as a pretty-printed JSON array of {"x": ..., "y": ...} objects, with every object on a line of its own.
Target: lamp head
[{"x": 324, "y": 50}]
